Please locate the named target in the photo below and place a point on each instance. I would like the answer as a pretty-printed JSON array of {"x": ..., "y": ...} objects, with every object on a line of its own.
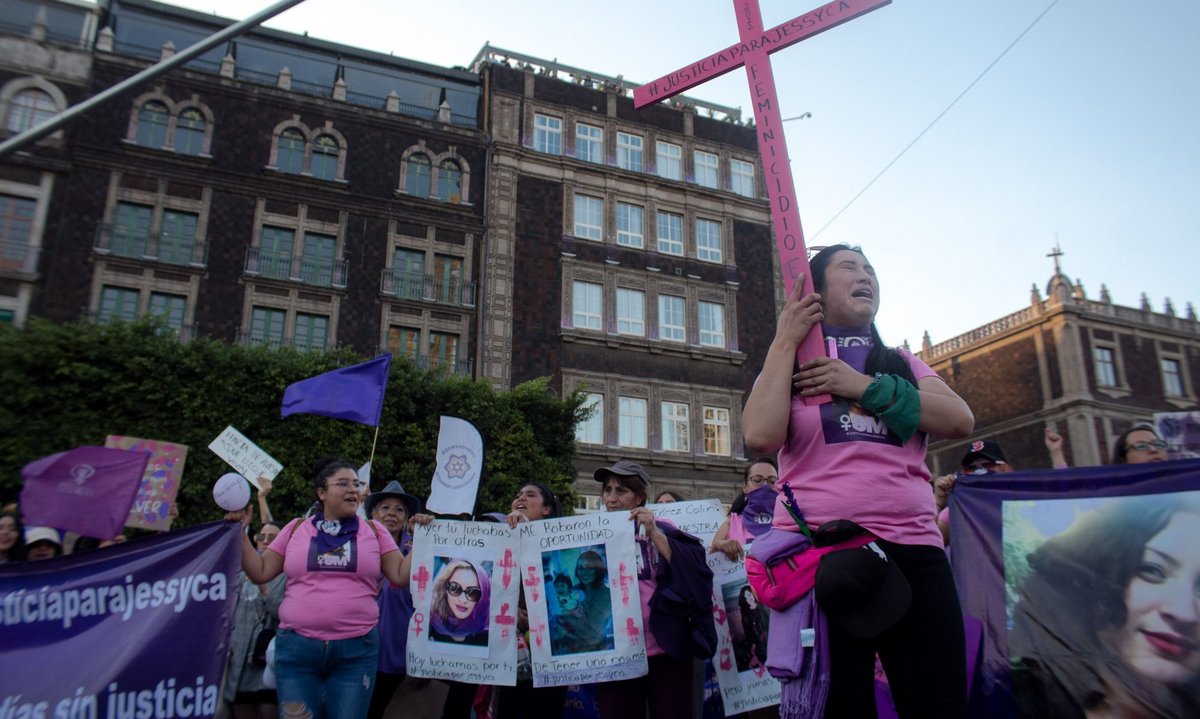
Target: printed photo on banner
[
  {"x": 465, "y": 590},
  {"x": 1103, "y": 603},
  {"x": 579, "y": 575},
  {"x": 742, "y": 624}
]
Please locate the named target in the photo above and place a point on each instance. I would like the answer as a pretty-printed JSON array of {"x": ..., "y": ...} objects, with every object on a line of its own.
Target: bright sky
[{"x": 1086, "y": 129}]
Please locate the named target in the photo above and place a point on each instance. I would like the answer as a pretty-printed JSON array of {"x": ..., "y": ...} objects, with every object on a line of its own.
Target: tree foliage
[{"x": 69, "y": 385}]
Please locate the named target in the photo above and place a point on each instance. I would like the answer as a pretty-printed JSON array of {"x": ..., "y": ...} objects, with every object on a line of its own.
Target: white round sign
[{"x": 232, "y": 492}]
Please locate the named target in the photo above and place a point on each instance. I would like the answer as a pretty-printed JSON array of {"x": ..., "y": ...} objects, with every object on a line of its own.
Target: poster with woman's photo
[
  {"x": 464, "y": 584},
  {"x": 579, "y": 576},
  {"x": 1103, "y": 605}
]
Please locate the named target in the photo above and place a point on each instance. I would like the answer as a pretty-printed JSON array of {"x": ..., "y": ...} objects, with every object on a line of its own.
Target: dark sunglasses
[{"x": 455, "y": 589}]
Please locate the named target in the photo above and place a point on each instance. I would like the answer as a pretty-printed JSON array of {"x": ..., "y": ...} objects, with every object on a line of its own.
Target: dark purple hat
[{"x": 861, "y": 590}]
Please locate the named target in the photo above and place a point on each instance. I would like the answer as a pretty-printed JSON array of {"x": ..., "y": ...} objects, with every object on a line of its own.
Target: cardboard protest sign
[
  {"x": 464, "y": 589},
  {"x": 581, "y": 591},
  {"x": 152, "y": 505},
  {"x": 246, "y": 457},
  {"x": 459, "y": 463},
  {"x": 740, "y": 662}
]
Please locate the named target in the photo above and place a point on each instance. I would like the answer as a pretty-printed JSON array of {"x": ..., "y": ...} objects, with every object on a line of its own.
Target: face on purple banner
[{"x": 1103, "y": 601}]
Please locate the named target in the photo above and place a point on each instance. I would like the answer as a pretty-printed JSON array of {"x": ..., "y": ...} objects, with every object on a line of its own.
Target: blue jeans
[{"x": 318, "y": 679}]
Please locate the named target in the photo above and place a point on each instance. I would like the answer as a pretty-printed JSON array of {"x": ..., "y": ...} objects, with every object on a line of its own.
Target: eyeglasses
[
  {"x": 344, "y": 484},
  {"x": 455, "y": 589},
  {"x": 260, "y": 537},
  {"x": 760, "y": 479},
  {"x": 1145, "y": 446}
]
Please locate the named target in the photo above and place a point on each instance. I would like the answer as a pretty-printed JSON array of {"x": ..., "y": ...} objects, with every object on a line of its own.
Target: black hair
[
  {"x": 882, "y": 359},
  {"x": 549, "y": 498},
  {"x": 17, "y": 551},
  {"x": 1120, "y": 451},
  {"x": 324, "y": 467},
  {"x": 673, "y": 495}
]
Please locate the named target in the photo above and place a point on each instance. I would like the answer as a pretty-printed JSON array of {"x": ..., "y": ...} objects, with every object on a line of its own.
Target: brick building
[
  {"x": 278, "y": 190},
  {"x": 1085, "y": 367},
  {"x": 628, "y": 255}
]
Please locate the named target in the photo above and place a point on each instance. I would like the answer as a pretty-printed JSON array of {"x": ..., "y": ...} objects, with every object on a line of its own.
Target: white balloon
[
  {"x": 271, "y": 652},
  {"x": 269, "y": 677},
  {"x": 231, "y": 492}
]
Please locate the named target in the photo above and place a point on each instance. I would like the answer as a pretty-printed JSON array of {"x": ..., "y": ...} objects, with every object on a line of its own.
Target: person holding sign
[
  {"x": 326, "y": 649},
  {"x": 664, "y": 552},
  {"x": 861, "y": 457}
]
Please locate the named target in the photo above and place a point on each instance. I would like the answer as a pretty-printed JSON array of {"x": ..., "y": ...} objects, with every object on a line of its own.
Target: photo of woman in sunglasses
[{"x": 461, "y": 594}]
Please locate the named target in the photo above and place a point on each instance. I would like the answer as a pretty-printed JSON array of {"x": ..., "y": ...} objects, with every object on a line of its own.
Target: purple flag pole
[{"x": 354, "y": 393}]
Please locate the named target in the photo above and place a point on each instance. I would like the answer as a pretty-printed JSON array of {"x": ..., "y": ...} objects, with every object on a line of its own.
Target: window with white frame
[
  {"x": 712, "y": 324},
  {"x": 629, "y": 151},
  {"x": 741, "y": 175},
  {"x": 631, "y": 422},
  {"x": 405, "y": 342},
  {"x": 630, "y": 225},
  {"x": 708, "y": 240},
  {"x": 675, "y": 432},
  {"x": 267, "y": 326},
  {"x": 419, "y": 175},
  {"x": 589, "y": 143},
  {"x": 450, "y": 181},
  {"x": 716, "y": 431},
  {"x": 312, "y": 331},
  {"x": 1172, "y": 373},
  {"x": 591, "y": 430},
  {"x": 671, "y": 318},
  {"x": 547, "y": 134},
  {"x": 189, "y": 132},
  {"x": 670, "y": 160},
  {"x": 117, "y": 303},
  {"x": 290, "y": 155},
  {"x": 707, "y": 169},
  {"x": 325, "y": 157},
  {"x": 589, "y": 217},
  {"x": 170, "y": 308},
  {"x": 1106, "y": 366},
  {"x": 631, "y": 312},
  {"x": 670, "y": 233},
  {"x": 152, "y": 125},
  {"x": 29, "y": 108},
  {"x": 587, "y": 305},
  {"x": 16, "y": 230}
]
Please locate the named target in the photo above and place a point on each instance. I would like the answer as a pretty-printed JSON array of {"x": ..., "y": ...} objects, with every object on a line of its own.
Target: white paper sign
[
  {"x": 459, "y": 462},
  {"x": 579, "y": 575},
  {"x": 464, "y": 584},
  {"x": 698, "y": 517},
  {"x": 244, "y": 456}
]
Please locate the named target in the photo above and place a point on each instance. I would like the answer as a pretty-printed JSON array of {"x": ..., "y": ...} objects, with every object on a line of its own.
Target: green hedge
[{"x": 69, "y": 385}]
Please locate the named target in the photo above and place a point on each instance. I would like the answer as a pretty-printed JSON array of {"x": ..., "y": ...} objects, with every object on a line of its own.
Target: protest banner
[
  {"x": 139, "y": 629},
  {"x": 244, "y": 456},
  {"x": 465, "y": 588},
  {"x": 1181, "y": 432},
  {"x": 459, "y": 464},
  {"x": 581, "y": 593},
  {"x": 1081, "y": 577},
  {"x": 152, "y": 505}
]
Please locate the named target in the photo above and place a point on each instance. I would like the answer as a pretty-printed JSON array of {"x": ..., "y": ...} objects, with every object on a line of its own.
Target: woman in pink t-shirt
[
  {"x": 861, "y": 457},
  {"x": 326, "y": 650}
]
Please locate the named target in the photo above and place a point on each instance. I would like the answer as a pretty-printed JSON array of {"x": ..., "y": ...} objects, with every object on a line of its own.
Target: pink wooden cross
[{"x": 753, "y": 52}]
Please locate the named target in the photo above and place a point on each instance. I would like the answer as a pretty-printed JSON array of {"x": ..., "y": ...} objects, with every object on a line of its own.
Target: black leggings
[{"x": 924, "y": 654}]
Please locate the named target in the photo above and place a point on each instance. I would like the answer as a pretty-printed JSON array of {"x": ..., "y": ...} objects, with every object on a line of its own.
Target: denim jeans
[{"x": 325, "y": 679}]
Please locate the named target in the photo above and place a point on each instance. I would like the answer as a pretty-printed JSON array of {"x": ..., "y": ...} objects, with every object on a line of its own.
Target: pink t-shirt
[
  {"x": 844, "y": 463},
  {"x": 331, "y": 596}
]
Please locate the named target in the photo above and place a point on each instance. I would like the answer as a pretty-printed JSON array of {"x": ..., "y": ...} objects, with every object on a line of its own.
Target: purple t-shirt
[
  {"x": 842, "y": 462},
  {"x": 331, "y": 596}
]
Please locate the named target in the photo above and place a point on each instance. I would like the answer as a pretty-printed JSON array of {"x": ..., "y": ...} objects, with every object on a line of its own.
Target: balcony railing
[
  {"x": 162, "y": 247},
  {"x": 298, "y": 268},
  {"x": 250, "y": 338},
  {"x": 18, "y": 257},
  {"x": 428, "y": 288},
  {"x": 457, "y": 367}
]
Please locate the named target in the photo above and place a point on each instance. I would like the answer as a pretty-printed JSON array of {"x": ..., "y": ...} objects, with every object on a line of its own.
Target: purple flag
[
  {"x": 354, "y": 393},
  {"x": 88, "y": 490}
]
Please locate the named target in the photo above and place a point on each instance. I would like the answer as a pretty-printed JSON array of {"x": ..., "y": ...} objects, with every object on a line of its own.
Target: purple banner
[
  {"x": 1087, "y": 582},
  {"x": 139, "y": 629}
]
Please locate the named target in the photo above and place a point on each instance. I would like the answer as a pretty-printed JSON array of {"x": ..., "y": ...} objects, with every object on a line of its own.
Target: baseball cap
[
  {"x": 34, "y": 535},
  {"x": 624, "y": 468},
  {"x": 863, "y": 591},
  {"x": 985, "y": 448}
]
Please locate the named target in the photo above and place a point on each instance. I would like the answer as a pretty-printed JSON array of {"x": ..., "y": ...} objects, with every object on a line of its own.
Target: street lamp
[{"x": 797, "y": 117}]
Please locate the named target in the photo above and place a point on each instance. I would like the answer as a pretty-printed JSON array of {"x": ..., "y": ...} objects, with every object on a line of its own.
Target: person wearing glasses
[
  {"x": 751, "y": 513},
  {"x": 327, "y": 646},
  {"x": 459, "y": 614},
  {"x": 1139, "y": 444}
]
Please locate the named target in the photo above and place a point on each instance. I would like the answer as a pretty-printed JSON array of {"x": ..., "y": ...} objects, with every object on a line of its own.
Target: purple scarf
[
  {"x": 803, "y": 672},
  {"x": 853, "y": 344},
  {"x": 332, "y": 534},
  {"x": 759, "y": 511}
]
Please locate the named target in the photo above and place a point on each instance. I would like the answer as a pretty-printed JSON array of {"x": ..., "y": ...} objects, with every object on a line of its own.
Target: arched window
[
  {"x": 28, "y": 108},
  {"x": 290, "y": 157},
  {"x": 450, "y": 178},
  {"x": 152, "y": 124},
  {"x": 325, "y": 158},
  {"x": 420, "y": 173},
  {"x": 189, "y": 132}
]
